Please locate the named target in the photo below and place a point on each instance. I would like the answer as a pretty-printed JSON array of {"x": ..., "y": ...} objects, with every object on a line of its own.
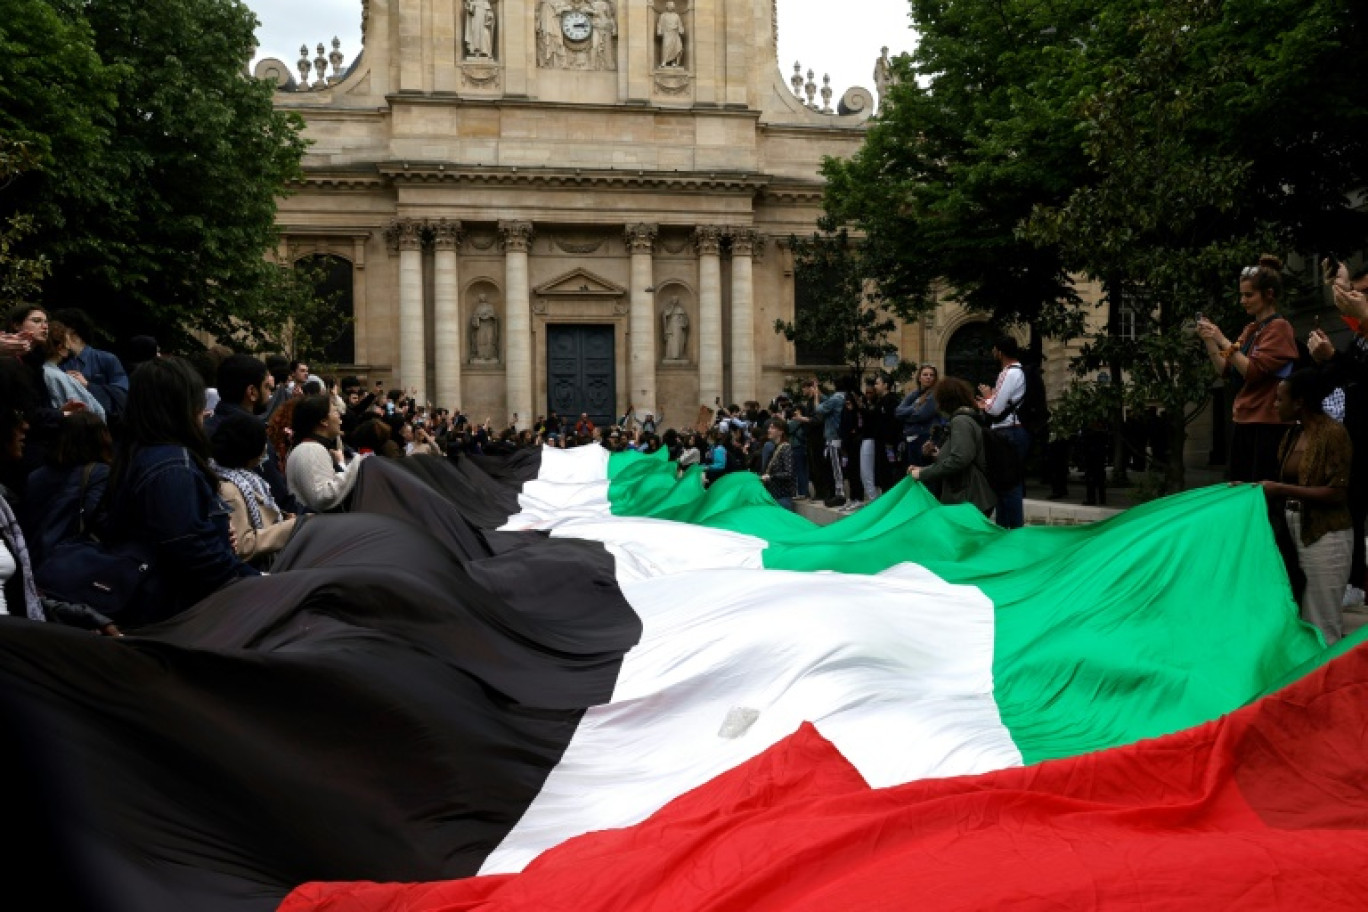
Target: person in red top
[
  {"x": 584, "y": 428},
  {"x": 1263, "y": 355}
]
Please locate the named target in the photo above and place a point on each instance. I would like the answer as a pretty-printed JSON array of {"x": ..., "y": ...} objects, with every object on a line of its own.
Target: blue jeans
[{"x": 1011, "y": 512}]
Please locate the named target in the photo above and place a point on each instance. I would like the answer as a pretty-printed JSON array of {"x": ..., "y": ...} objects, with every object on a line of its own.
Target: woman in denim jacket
[{"x": 164, "y": 495}]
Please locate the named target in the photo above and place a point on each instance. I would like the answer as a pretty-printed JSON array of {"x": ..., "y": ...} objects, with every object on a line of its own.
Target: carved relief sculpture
[
  {"x": 550, "y": 41},
  {"x": 479, "y": 29},
  {"x": 484, "y": 335},
  {"x": 675, "y": 322},
  {"x": 602, "y": 56},
  {"x": 670, "y": 29}
]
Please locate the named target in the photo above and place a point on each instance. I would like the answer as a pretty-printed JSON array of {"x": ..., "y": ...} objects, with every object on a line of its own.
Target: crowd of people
[{"x": 209, "y": 463}]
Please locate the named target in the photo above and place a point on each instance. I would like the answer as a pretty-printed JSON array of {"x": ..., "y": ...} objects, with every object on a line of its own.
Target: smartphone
[{"x": 1330, "y": 266}]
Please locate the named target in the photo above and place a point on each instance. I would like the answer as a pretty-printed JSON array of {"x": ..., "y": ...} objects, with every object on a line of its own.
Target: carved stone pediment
[{"x": 580, "y": 283}]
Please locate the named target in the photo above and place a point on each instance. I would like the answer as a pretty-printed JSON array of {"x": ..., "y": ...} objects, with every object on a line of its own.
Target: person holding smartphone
[
  {"x": 1264, "y": 354},
  {"x": 1347, "y": 369}
]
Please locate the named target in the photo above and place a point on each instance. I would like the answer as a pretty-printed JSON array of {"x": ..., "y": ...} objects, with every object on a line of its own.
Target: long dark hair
[
  {"x": 309, "y": 413},
  {"x": 165, "y": 407}
]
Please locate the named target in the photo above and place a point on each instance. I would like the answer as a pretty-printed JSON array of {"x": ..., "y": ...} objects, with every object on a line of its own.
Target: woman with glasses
[{"x": 1263, "y": 355}]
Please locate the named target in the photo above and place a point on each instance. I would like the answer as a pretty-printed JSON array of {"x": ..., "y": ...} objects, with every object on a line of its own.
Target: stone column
[
  {"x": 743, "y": 378},
  {"x": 708, "y": 241},
  {"x": 516, "y": 238},
  {"x": 641, "y": 365},
  {"x": 411, "y": 369},
  {"x": 446, "y": 307}
]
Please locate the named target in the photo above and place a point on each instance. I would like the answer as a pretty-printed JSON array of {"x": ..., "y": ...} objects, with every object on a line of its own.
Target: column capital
[
  {"x": 404, "y": 234},
  {"x": 641, "y": 238},
  {"x": 708, "y": 240},
  {"x": 746, "y": 242},
  {"x": 446, "y": 235},
  {"x": 516, "y": 237}
]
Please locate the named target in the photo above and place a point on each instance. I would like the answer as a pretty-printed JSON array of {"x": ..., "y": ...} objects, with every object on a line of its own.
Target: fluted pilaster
[
  {"x": 708, "y": 242},
  {"x": 516, "y": 238},
  {"x": 642, "y": 336}
]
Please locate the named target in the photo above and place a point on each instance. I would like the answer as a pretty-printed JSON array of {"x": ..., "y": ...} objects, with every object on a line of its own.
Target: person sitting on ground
[
  {"x": 318, "y": 471},
  {"x": 63, "y": 495},
  {"x": 960, "y": 465},
  {"x": 100, "y": 372},
  {"x": 164, "y": 494},
  {"x": 260, "y": 527}
]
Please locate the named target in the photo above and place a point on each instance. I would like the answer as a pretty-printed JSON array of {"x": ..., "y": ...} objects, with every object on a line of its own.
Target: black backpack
[
  {"x": 1033, "y": 409},
  {"x": 1004, "y": 468}
]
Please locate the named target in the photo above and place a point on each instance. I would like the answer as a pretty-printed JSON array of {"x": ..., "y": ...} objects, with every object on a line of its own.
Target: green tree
[
  {"x": 846, "y": 315},
  {"x": 21, "y": 276},
  {"x": 159, "y": 171},
  {"x": 952, "y": 167},
  {"x": 1217, "y": 131}
]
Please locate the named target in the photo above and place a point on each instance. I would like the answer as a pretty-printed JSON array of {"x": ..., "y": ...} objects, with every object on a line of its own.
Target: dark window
[
  {"x": 805, "y": 351},
  {"x": 969, "y": 355},
  {"x": 334, "y": 337}
]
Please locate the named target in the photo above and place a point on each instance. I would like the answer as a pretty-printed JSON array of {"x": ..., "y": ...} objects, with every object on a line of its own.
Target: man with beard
[{"x": 244, "y": 386}]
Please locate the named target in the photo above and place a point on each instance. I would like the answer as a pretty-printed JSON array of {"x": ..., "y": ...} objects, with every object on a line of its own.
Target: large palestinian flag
[{"x": 486, "y": 660}]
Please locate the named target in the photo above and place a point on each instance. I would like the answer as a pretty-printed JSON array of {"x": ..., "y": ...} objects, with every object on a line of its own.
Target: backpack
[
  {"x": 1004, "y": 468},
  {"x": 1033, "y": 409}
]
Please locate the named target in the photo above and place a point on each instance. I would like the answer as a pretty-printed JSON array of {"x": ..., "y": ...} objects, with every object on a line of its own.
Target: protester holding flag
[
  {"x": 164, "y": 494},
  {"x": 960, "y": 466},
  {"x": 318, "y": 470}
]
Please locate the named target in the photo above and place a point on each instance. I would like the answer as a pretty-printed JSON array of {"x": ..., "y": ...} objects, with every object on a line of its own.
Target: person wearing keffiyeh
[{"x": 260, "y": 528}]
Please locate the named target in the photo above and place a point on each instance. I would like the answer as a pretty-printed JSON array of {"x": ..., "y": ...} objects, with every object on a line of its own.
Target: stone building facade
[{"x": 576, "y": 205}]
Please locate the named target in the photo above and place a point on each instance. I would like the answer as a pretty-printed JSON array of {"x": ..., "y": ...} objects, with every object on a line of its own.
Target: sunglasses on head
[{"x": 1249, "y": 271}]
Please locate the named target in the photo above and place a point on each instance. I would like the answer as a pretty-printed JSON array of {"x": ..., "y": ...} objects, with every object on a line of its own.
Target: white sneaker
[
  {"x": 852, "y": 506},
  {"x": 1353, "y": 597}
]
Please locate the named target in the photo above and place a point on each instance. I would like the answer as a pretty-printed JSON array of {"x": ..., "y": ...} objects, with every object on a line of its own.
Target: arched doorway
[
  {"x": 329, "y": 334},
  {"x": 969, "y": 354}
]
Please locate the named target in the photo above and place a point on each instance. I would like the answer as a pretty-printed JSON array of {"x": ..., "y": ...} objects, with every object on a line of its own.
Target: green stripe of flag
[{"x": 1161, "y": 618}]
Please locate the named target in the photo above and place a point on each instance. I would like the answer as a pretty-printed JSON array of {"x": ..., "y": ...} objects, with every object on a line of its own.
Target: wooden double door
[{"x": 581, "y": 373}]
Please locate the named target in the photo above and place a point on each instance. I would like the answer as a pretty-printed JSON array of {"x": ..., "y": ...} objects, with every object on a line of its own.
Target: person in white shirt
[
  {"x": 318, "y": 471},
  {"x": 1000, "y": 404}
]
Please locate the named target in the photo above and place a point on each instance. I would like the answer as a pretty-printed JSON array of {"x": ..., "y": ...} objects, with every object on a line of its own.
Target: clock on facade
[{"x": 576, "y": 25}]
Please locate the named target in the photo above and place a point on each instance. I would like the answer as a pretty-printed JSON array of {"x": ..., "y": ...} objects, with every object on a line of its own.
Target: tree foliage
[
  {"x": 158, "y": 161},
  {"x": 1152, "y": 145},
  {"x": 846, "y": 315}
]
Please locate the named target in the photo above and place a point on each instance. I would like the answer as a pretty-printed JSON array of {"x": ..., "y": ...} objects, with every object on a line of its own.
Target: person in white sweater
[{"x": 318, "y": 471}]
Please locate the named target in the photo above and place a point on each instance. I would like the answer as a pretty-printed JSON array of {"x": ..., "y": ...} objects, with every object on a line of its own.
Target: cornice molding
[{"x": 575, "y": 178}]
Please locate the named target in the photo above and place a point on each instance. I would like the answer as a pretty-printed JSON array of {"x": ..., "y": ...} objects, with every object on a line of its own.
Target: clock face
[{"x": 576, "y": 25}]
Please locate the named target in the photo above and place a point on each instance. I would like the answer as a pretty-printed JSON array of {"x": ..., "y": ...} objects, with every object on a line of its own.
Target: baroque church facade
[{"x": 572, "y": 205}]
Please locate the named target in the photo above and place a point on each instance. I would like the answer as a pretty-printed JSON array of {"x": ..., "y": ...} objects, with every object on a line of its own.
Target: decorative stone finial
[
  {"x": 336, "y": 58},
  {"x": 303, "y": 65},
  {"x": 796, "y": 80},
  {"x": 321, "y": 67},
  {"x": 810, "y": 90},
  {"x": 826, "y": 94}
]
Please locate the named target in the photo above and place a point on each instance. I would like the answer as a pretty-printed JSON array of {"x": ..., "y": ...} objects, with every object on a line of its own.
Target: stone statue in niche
[
  {"x": 484, "y": 331},
  {"x": 550, "y": 41},
  {"x": 670, "y": 29},
  {"x": 605, "y": 30},
  {"x": 675, "y": 322},
  {"x": 479, "y": 29}
]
